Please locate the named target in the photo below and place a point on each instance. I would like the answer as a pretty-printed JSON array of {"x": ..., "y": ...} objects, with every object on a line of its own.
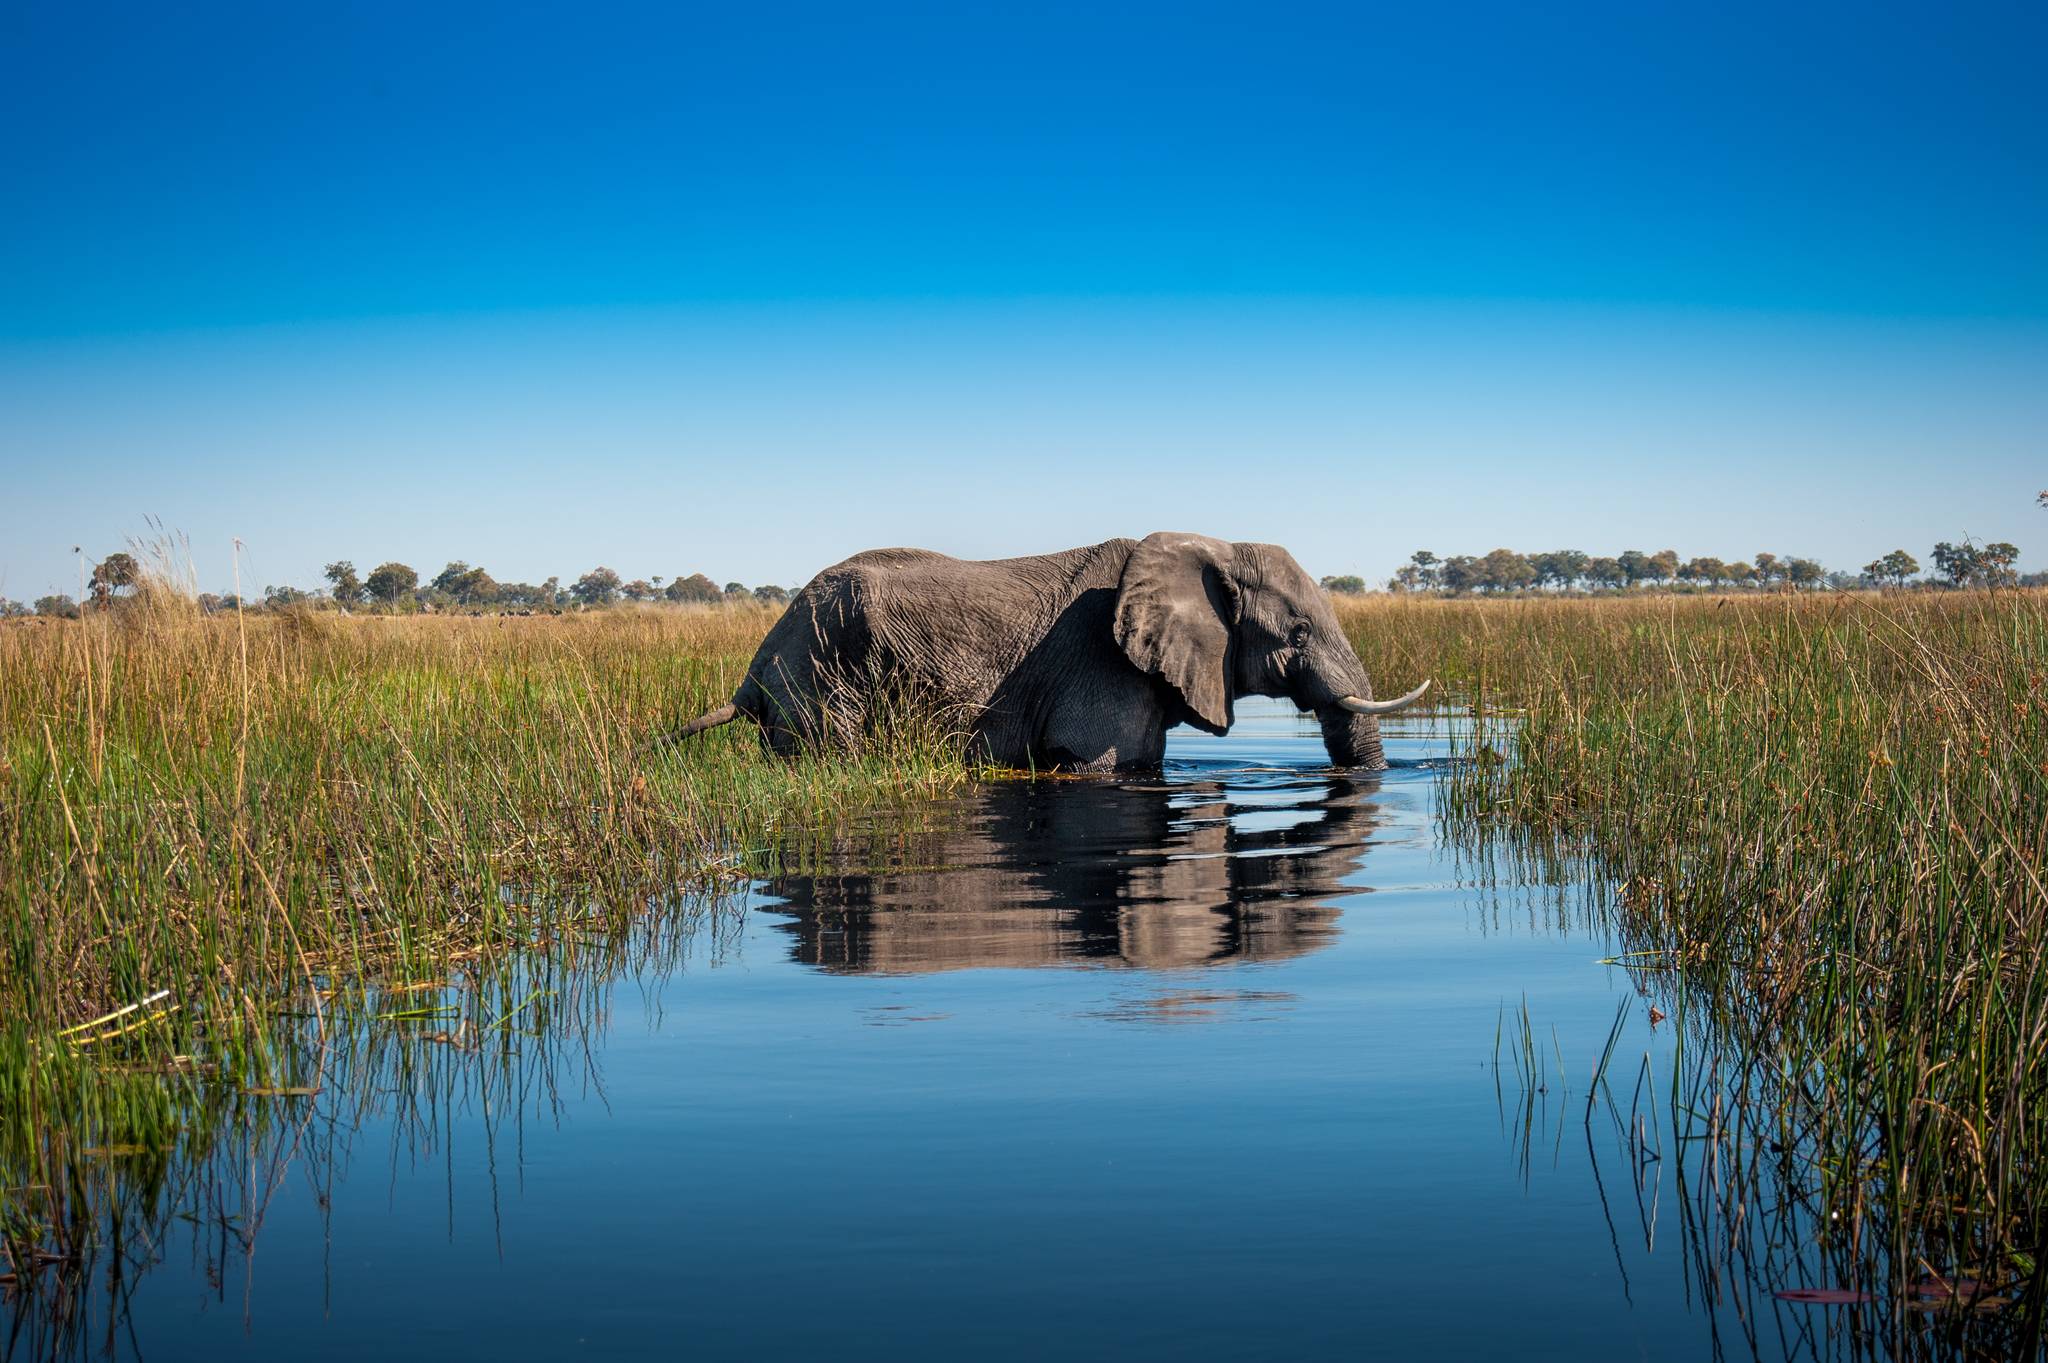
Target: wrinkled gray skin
[{"x": 1080, "y": 660}]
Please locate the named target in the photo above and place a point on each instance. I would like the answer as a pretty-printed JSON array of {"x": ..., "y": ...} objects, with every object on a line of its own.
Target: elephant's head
[{"x": 1215, "y": 621}]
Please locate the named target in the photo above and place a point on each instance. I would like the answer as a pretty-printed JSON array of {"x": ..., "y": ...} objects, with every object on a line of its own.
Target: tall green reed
[
  {"x": 1827, "y": 818},
  {"x": 209, "y": 823}
]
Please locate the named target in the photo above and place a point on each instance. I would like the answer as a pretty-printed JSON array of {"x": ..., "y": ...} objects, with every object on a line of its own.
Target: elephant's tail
[{"x": 710, "y": 719}]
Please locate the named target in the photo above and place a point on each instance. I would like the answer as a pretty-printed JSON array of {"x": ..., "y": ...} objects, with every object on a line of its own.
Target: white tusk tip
[{"x": 1383, "y": 707}]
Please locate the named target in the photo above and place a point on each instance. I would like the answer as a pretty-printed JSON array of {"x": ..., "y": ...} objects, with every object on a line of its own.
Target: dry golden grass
[{"x": 215, "y": 806}]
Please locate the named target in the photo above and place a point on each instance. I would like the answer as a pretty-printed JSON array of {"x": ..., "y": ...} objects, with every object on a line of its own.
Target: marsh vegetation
[
  {"x": 242, "y": 854},
  {"x": 1824, "y": 826},
  {"x": 210, "y": 821},
  {"x": 214, "y": 807}
]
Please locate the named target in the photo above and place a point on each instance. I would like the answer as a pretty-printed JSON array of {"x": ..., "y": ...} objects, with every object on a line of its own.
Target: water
[{"x": 1202, "y": 1066}]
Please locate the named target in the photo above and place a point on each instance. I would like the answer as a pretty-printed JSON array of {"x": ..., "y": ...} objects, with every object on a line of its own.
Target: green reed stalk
[
  {"x": 1828, "y": 817},
  {"x": 233, "y": 817}
]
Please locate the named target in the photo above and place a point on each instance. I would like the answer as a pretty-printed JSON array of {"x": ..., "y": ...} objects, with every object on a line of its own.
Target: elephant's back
[
  {"x": 962, "y": 624},
  {"x": 880, "y": 605},
  {"x": 925, "y": 572},
  {"x": 989, "y": 608},
  {"x": 884, "y": 560}
]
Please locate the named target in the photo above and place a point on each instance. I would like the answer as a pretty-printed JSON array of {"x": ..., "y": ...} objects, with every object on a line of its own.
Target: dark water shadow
[{"x": 1203, "y": 870}]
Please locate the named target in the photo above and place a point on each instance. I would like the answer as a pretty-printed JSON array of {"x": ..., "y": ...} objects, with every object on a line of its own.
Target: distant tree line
[
  {"x": 394, "y": 587},
  {"x": 463, "y": 587},
  {"x": 1505, "y": 571},
  {"x": 1563, "y": 570}
]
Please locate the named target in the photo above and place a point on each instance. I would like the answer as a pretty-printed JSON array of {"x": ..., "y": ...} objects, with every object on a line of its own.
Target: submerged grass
[
  {"x": 474, "y": 1054},
  {"x": 1827, "y": 818}
]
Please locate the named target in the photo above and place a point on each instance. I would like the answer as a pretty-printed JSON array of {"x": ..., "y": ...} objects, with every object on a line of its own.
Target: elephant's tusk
[{"x": 1382, "y": 707}]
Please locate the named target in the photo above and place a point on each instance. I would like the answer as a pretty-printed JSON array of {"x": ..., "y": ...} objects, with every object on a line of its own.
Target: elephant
[
  {"x": 1136, "y": 874},
  {"x": 1077, "y": 661}
]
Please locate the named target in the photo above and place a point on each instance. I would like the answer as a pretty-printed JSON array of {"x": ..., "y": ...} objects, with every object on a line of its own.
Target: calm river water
[{"x": 1200, "y": 1067}]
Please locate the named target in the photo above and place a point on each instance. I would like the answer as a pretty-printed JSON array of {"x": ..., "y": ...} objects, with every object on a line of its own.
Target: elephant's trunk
[
  {"x": 1351, "y": 740},
  {"x": 1351, "y": 722}
]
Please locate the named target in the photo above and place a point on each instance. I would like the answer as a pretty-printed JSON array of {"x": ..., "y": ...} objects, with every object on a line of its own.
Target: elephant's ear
[{"x": 1174, "y": 614}]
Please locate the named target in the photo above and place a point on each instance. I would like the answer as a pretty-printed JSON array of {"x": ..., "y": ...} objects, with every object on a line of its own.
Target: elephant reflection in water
[{"x": 1156, "y": 876}]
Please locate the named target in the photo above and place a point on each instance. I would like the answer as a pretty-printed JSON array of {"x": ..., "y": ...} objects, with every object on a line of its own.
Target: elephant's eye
[{"x": 1298, "y": 636}]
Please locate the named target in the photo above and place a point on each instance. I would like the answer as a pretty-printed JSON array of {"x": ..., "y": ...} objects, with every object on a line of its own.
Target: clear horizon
[{"x": 676, "y": 290}]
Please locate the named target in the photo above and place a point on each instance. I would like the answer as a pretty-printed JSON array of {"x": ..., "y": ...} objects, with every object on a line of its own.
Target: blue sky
[{"x": 743, "y": 289}]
